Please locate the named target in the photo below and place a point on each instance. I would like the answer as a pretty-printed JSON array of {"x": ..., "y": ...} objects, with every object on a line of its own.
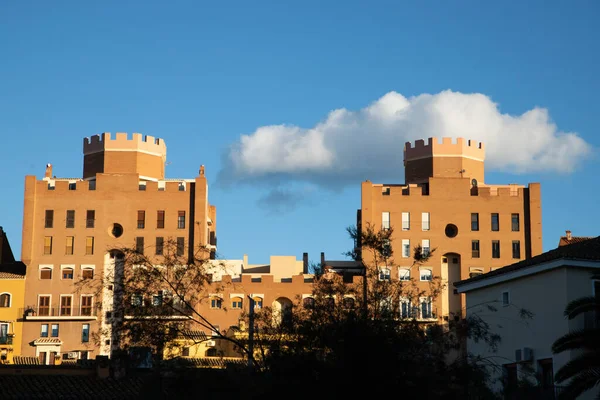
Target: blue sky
[{"x": 201, "y": 75}]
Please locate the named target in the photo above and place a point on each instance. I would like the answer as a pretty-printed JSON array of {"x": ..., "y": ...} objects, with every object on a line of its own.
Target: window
[
  {"x": 180, "y": 246},
  {"x": 236, "y": 303},
  {"x": 157, "y": 299},
  {"x": 404, "y": 308},
  {"x": 92, "y": 185},
  {"x": 473, "y": 272},
  {"x": 142, "y": 186},
  {"x": 404, "y": 274},
  {"x": 385, "y": 191},
  {"x": 47, "y": 245},
  {"x": 384, "y": 274},
  {"x": 474, "y": 221},
  {"x": 425, "y": 247},
  {"x": 70, "y": 220},
  {"x": 67, "y": 273},
  {"x": 160, "y": 219},
  {"x": 136, "y": 300},
  {"x": 161, "y": 186},
  {"x": 49, "y": 219},
  {"x": 85, "y": 333},
  {"x": 425, "y": 221},
  {"x": 181, "y": 220},
  {"x": 185, "y": 352},
  {"x": 258, "y": 302},
  {"x": 72, "y": 186},
  {"x": 65, "y": 305},
  {"x": 44, "y": 306},
  {"x": 69, "y": 245},
  {"x": 348, "y": 302},
  {"x": 141, "y": 219},
  {"x": 516, "y": 249},
  {"x": 182, "y": 186},
  {"x": 475, "y": 248},
  {"x": 86, "y": 304},
  {"x": 495, "y": 222},
  {"x": 44, "y": 330},
  {"x": 89, "y": 245},
  {"x": 139, "y": 244},
  {"x": 159, "y": 246},
  {"x": 505, "y": 298},
  {"x": 45, "y": 273},
  {"x": 425, "y": 303},
  {"x": 405, "y": 221},
  {"x": 426, "y": 274},
  {"x": 90, "y": 218},
  {"x": 495, "y": 249},
  {"x": 215, "y": 302},
  {"x": 385, "y": 220},
  {"x": 405, "y": 248},
  {"x": 87, "y": 273},
  {"x": 54, "y": 331},
  {"x": 514, "y": 218},
  {"x": 5, "y": 300}
]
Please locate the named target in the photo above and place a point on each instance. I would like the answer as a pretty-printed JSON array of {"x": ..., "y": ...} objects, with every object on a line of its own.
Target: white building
[{"x": 542, "y": 285}]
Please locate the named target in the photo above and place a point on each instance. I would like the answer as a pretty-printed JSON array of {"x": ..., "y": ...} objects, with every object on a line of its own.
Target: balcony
[
  {"x": 164, "y": 312},
  {"x": 58, "y": 313},
  {"x": 8, "y": 340}
]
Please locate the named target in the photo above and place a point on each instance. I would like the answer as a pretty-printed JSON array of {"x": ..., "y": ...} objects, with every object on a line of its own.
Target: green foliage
[{"x": 582, "y": 372}]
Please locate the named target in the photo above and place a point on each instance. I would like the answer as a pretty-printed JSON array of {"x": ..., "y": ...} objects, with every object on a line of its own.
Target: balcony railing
[
  {"x": 38, "y": 313},
  {"x": 165, "y": 311},
  {"x": 8, "y": 339}
]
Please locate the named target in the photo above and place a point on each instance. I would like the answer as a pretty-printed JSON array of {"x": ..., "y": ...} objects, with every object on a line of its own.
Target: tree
[
  {"x": 155, "y": 298},
  {"x": 582, "y": 372},
  {"x": 353, "y": 335}
]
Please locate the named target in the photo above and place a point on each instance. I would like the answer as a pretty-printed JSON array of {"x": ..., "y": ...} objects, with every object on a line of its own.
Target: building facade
[
  {"x": 72, "y": 226},
  {"x": 542, "y": 286},
  {"x": 444, "y": 204},
  {"x": 12, "y": 290}
]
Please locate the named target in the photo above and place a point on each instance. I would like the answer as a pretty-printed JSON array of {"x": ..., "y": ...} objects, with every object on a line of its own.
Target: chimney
[
  {"x": 568, "y": 235},
  {"x": 48, "y": 173},
  {"x": 322, "y": 260},
  {"x": 305, "y": 263}
]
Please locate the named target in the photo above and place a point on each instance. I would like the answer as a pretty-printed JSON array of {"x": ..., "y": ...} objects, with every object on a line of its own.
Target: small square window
[
  {"x": 72, "y": 186},
  {"x": 426, "y": 275}
]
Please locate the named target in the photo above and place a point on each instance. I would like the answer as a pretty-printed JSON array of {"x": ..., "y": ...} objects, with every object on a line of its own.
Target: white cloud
[{"x": 350, "y": 146}]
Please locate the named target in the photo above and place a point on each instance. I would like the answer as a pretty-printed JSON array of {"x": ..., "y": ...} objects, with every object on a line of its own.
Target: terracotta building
[
  {"x": 445, "y": 204},
  {"x": 71, "y": 226}
]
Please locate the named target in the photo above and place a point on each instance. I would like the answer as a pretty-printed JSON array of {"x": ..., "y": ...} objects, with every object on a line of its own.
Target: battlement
[
  {"x": 121, "y": 142},
  {"x": 447, "y": 147}
]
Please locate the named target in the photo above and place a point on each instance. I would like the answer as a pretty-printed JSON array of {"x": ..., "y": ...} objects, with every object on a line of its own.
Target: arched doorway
[
  {"x": 450, "y": 263},
  {"x": 282, "y": 311}
]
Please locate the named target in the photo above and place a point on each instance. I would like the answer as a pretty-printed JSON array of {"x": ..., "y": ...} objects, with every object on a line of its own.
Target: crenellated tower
[
  {"x": 445, "y": 159},
  {"x": 142, "y": 155}
]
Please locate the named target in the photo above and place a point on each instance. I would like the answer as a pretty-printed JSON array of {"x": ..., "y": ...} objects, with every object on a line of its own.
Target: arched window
[
  {"x": 258, "y": 302},
  {"x": 212, "y": 352},
  {"x": 5, "y": 300},
  {"x": 308, "y": 302},
  {"x": 349, "y": 302},
  {"x": 215, "y": 302},
  {"x": 45, "y": 273},
  {"x": 236, "y": 303}
]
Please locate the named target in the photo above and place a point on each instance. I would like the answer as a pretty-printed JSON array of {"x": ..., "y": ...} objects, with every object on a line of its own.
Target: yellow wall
[{"x": 16, "y": 288}]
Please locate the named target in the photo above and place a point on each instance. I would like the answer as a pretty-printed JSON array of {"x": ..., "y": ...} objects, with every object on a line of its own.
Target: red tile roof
[
  {"x": 565, "y": 240},
  {"x": 586, "y": 250}
]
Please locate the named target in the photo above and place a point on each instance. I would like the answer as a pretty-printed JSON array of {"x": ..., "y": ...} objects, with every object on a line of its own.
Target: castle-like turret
[
  {"x": 445, "y": 159},
  {"x": 142, "y": 155}
]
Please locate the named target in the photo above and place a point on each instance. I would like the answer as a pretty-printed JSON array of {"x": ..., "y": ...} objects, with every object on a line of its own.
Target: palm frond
[
  {"x": 581, "y": 383},
  {"x": 584, "y": 362},
  {"x": 581, "y": 305},
  {"x": 579, "y": 339}
]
